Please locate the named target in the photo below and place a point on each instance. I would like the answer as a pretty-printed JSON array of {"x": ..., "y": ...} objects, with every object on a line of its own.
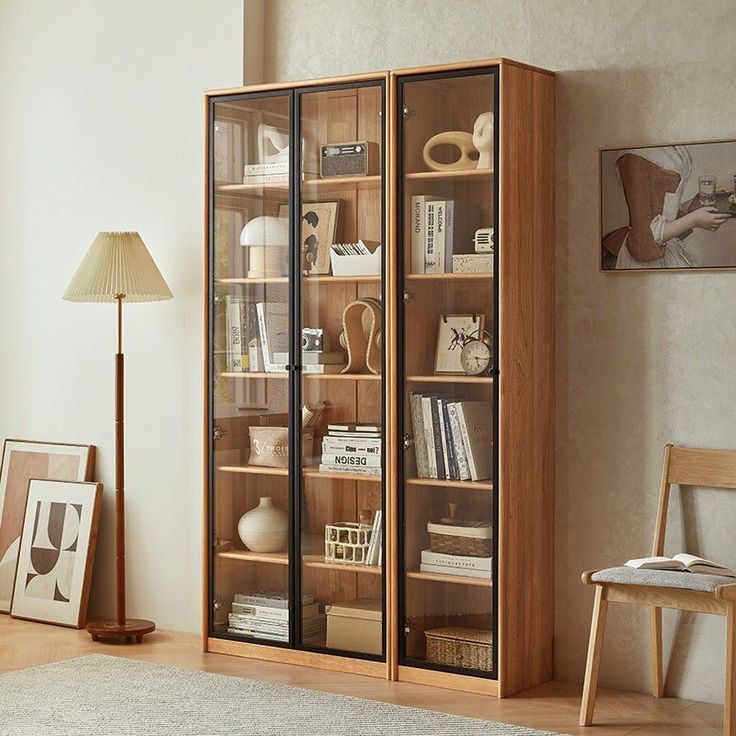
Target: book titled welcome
[{"x": 682, "y": 562}]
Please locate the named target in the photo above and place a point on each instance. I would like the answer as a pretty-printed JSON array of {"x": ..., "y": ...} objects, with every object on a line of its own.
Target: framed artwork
[
  {"x": 318, "y": 231},
  {"x": 57, "y": 550},
  {"x": 668, "y": 207},
  {"x": 23, "y": 460},
  {"x": 453, "y": 331}
]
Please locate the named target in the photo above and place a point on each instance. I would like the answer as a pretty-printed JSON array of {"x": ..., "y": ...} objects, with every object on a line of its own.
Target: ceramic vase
[{"x": 264, "y": 528}]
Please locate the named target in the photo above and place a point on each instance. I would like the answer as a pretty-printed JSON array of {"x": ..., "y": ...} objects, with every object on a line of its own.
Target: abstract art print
[
  {"x": 23, "y": 460},
  {"x": 669, "y": 207},
  {"x": 57, "y": 551}
]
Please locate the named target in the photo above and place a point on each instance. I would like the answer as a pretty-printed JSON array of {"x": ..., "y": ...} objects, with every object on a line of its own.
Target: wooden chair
[{"x": 666, "y": 589}]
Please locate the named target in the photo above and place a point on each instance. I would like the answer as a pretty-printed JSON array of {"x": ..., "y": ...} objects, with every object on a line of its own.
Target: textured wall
[
  {"x": 102, "y": 129},
  {"x": 642, "y": 358}
]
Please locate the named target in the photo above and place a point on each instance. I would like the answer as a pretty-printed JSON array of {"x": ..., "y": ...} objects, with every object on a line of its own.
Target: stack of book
[
  {"x": 266, "y": 616},
  {"x": 452, "y": 439},
  {"x": 443, "y": 564},
  {"x": 439, "y": 229},
  {"x": 315, "y": 361},
  {"x": 276, "y": 172},
  {"x": 351, "y": 448}
]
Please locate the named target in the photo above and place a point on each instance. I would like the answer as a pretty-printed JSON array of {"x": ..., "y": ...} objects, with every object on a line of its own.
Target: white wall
[
  {"x": 102, "y": 129},
  {"x": 642, "y": 358}
]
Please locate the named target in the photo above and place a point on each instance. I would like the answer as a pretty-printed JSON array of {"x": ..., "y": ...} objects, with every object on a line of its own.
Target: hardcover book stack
[
  {"x": 351, "y": 448},
  {"x": 440, "y": 228},
  {"x": 452, "y": 438},
  {"x": 462, "y": 565},
  {"x": 266, "y": 616}
]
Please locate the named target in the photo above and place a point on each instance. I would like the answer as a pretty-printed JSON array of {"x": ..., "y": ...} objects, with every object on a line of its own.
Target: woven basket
[
  {"x": 470, "y": 649},
  {"x": 468, "y": 541}
]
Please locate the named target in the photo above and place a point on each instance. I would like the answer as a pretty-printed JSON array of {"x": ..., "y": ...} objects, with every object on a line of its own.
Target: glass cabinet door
[
  {"x": 340, "y": 235},
  {"x": 448, "y": 391},
  {"x": 249, "y": 344}
]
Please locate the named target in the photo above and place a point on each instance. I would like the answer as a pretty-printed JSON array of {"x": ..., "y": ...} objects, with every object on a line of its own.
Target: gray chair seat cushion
[{"x": 661, "y": 578}]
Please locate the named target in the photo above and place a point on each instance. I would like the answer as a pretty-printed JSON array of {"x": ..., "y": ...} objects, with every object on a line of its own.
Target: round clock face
[{"x": 475, "y": 357}]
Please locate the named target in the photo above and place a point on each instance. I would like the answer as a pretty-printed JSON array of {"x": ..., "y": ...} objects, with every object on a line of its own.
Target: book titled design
[{"x": 351, "y": 460}]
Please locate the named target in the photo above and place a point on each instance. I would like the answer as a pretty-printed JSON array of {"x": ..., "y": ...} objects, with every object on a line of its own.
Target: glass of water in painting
[{"x": 707, "y": 190}]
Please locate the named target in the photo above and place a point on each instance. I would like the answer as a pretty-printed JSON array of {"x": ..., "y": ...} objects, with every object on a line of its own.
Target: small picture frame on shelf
[
  {"x": 318, "y": 233},
  {"x": 452, "y": 333}
]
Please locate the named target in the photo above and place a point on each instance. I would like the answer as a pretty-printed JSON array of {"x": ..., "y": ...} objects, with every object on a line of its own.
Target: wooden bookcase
[{"x": 399, "y": 111}]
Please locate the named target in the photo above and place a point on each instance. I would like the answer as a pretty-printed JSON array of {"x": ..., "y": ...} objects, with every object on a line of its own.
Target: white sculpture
[
  {"x": 483, "y": 139},
  {"x": 273, "y": 145}
]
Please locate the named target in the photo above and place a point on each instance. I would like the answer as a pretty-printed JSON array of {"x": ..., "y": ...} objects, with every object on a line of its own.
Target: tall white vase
[{"x": 264, "y": 528}]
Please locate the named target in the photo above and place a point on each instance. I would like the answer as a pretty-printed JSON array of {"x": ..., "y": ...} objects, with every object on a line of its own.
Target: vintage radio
[{"x": 349, "y": 159}]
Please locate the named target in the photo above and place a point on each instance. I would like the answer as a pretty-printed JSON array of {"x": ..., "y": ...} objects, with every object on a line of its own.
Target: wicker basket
[
  {"x": 470, "y": 649},
  {"x": 469, "y": 541}
]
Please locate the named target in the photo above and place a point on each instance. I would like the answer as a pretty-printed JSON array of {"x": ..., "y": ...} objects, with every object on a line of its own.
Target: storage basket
[
  {"x": 469, "y": 541},
  {"x": 269, "y": 446},
  {"x": 347, "y": 542},
  {"x": 470, "y": 649}
]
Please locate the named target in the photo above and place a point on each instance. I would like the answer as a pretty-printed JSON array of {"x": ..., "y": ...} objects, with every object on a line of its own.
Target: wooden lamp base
[{"x": 131, "y": 631}]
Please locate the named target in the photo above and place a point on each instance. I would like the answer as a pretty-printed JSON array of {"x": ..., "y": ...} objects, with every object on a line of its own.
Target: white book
[
  {"x": 313, "y": 357},
  {"x": 273, "y": 330},
  {"x": 430, "y": 234},
  {"x": 234, "y": 328},
  {"x": 460, "y": 571},
  {"x": 365, "y": 445},
  {"x": 439, "y": 235},
  {"x": 259, "y": 635},
  {"x": 462, "y": 460},
  {"x": 330, "y": 468},
  {"x": 682, "y": 562},
  {"x": 457, "y": 561},
  {"x": 417, "y": 234},
  {"x": 355, "y": 435},
  {"x": 308, "y": 369},
  {"x": 351, "y": 459},
  {"x": 449, "y": 233},
  {"x": 372, "y": 553},
  {"x": 429, "y": 436},
  {"x": 272, "y": 600},
  {"x": 357, "y": 428},
  {"x": 475, "y": 427},
  {"x": 420, "y": 446},
  {"x": 271, "y": 613}
]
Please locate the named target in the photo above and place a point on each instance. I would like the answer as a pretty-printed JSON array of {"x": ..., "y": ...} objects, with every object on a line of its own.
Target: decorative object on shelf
[
  {"x": 359, "y": 158},
  {"x": 347, "y": 542},
  {"x": 476, "y": 356},
  {"x": 267, "y": 241},
  {"x": 23, "y": 460},
  {"x": 473, "y": 263},
  {"x": 457, "y": 646},
  {"x": 318, "y": 232},
  {"x": 117, "y": 268},
  {"x": 453, "y": 332},
  {"x": 454, "y": 536},
  {"x": 356, "y": 259},
  {"x": 314, "y": 339},
  {"x": 218, "y": 611},
  {"x": 484, "y": 239},
  {"x": 363, "y": 350},
  {"x": 57, "y": 551},
  {"x": 269, "y": 446},
  {"x": 483, "y": 139},
  {"x": 355, "y": 626},
  {"x": 461, "y": 140},
  {"x": 273, "y": 147},
  {"x": 264, "y": 528}
]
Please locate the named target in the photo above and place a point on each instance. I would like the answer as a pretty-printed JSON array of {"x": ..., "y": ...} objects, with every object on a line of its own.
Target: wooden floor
[{"x": 553, "y": 706}]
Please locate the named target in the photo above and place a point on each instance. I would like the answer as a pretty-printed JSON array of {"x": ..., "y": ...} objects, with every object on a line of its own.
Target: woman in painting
[{"x": 653, "y": 181}]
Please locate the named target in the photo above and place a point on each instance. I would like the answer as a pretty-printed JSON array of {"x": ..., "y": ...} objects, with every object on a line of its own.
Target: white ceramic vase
[{"x": 264, "y": 528}]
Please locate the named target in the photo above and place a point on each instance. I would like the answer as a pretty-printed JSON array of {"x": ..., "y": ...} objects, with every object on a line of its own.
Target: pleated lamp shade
[{"x": 117, "y": 263}]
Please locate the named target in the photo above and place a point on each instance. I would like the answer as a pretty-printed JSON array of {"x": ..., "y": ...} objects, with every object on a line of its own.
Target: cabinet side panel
[{"x": 527, "y": 381}]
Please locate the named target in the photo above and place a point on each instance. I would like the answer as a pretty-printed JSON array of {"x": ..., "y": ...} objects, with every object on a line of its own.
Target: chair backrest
[{"x": 690, "y": 466}]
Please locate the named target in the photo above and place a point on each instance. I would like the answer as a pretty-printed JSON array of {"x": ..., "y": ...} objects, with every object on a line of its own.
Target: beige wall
[
  {"x": 643, "y": 358},
  {"x": 102, "y": 128}
]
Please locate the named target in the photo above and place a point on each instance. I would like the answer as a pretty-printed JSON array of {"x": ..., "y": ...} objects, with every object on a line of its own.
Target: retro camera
[{"x": 313, "y": 338}]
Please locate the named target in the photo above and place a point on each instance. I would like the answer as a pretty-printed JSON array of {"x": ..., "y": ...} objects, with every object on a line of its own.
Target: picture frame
[
  {"x": 452, "y": 331},
  {"x": 687, "y": 179},
  {"x": 21, "y": 461},
  {"x": 318, "y": 233},
  {"x": 57, "y": 550}
]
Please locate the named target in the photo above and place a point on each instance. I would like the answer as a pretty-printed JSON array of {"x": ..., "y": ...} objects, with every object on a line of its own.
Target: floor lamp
[{"x": 117, "y": 268}]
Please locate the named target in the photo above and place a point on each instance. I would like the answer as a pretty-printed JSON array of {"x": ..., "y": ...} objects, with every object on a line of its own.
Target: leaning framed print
[
  {"x": 57, "y": 551},
  {"x": 23, "y": 460},
  {"x": 668, "y": 207},
  {"x": 318, "y": 232}
]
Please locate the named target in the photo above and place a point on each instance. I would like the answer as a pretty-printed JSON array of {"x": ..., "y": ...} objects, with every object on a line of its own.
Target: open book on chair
[{"x": 684, "y": 563}]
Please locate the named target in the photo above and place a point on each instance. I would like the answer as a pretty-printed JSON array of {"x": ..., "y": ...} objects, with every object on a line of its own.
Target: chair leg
[
  {"x": 657, "y": 670},
  {"x": 595, "y": 644},
  {"x": 729, "y": 701}
]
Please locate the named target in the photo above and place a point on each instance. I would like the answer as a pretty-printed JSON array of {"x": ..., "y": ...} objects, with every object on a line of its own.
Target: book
[
  {"x": 439, "y": 449},
  {"x": 259, "y": 635},
  {"x": 461, "y": 459},
  {"x": 420, "y": 447},
  {"x": 321, "y": 368},
  {"x": 357, "y": 428},
  {"x": 682, "y": 562},
  {"x": 355, "y": 435},
  {"x": 360, "y": 470},
  {"x": 275, "y": 167},
  {"x": 462, "y": 572},
  {"x": 234, "y": 334},
  {"x": 273, "y": 331},
  {"x": 440, "y": 208},
  {"x": 475, "y": 427},
  {"x": 372, "y": 555},
  {"x": 431, "y": 264},
  {"x": 429, "y": 436},
  {"x": 313, "y": 357},
  {"x": 367, "y": 445},
  {"x": 270, "y": 612},
  {"x": 273, "y": 600},
  {"x": 418, "y": 221},
  {"x": 351, "y": 460},
  {"x": 456, "y": 561}
]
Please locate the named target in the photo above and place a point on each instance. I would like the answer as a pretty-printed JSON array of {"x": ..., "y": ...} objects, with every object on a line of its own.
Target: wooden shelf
[
  {"x": 273, "y": 558},
  {"x": 308, "y": 473},
  {"x": 449, "y": 378},
  {"x": 248, "y": 280},
  {"x": 449, "y": 276},
  {"x": 306, "y": 376},
  {"x": 305, "y": 280},
  {"x": 333, "y": 182},
  {"x": 456, "y": 579},
  {"x": 342, "y": 476},
  {"x": 311, "y": 561},
  {"x": 448, "y": 175},
  {"x": 472, "y": 485},
  {"x": 318, "y": 561},
  {"x": 252, "y": 470}
]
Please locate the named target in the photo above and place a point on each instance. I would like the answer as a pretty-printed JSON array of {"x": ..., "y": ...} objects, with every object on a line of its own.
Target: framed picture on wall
[{"x": 668, "y": 207}]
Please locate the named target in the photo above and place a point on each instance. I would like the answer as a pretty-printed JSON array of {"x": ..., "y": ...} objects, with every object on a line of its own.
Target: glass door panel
[
  {"x": 340, "y": 236},
  {"x": 448, "y": 392},
  {"x": 249, "y": 320}
]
